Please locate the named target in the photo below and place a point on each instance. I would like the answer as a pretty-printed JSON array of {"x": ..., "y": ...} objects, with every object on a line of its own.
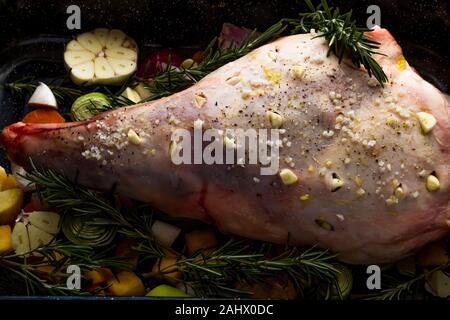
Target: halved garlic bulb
[{"x": 101, "y": 56}]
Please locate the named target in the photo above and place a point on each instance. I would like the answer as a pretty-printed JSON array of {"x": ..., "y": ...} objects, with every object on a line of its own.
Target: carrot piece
[
  {"x": 198, "y": 56},
  {"x": 43, "y": 116}
]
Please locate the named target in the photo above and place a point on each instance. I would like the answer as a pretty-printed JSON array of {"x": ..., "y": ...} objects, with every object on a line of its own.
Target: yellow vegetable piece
[
  {"x": 164, "y": 290},
  {"x": 10, "y": 204},
  {"x": 200, "y": 239},
  {"x": 126, "y": 283},
  {"x": 10, "y": 182},
  {"x": 5, "y": 239},
  {"x": 2, "y": 173},
  {"x": 7, "y": 181},
  {"x": 167, "y": 267},
  {"x": 100, "y": 275},
  {"x": 189, "y": 64}
]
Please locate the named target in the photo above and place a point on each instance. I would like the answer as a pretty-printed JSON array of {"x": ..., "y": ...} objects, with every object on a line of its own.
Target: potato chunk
[
  {"x": 126, "y": 284},
  {"x": 5, "y": 239},
  {"x": 10, "y": 204}
]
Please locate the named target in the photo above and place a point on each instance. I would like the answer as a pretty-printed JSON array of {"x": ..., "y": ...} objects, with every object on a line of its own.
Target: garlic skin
[
  {"x": 19, "y": 173},
  {"x": 43, "y": 97}
]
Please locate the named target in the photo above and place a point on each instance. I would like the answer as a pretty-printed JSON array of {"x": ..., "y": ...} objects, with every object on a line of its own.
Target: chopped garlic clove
[
  {"x": 198, "y": 124},
  {"x": 288, "y": 177},
  {"x": 199, "y": 100},
  {"x": 335, "y": 183},
  {"x": 433, "y": 183},
  {"x": 229, "y": 143},
  {"x": 391, "y": 200},
  {"x": 360, "y": 192},
  {"x": 395, "y": 183},
  {"x": 276, "y": 120},
  {"x": 427, "y": 121},
  {"x": 173, "y": 148},
  {"x": 399, "y": 193},
  {"x": 305, "y": 197},
  {"x": 233, "y": 81},
  {"x": 133, "y": 137},
  {"x": 298, "y": 72}
]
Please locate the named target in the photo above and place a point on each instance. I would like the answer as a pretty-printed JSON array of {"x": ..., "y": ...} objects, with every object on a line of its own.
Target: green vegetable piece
[
  {"x": 89, "y": 105},
  {"x": 164, "y": 290},
  {"x": 344, "y": 283},
  {"x": 82, "y": 229}
]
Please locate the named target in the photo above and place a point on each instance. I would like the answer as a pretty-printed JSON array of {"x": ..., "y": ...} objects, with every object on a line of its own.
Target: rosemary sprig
[
  {"x": 70, "y": 197},
  {"x": 238, "y": 264},
  {"x": 402, "y": 289},
  {"x": 173, "y": 80},
  {"x": 66, "y": 93},
  {"x": 341, "y": 32},
  {"x": 343, "y": 36},
  {"x": 63, "y": 94},
  {"x": 210, "y": 274},
  {"x": 37, "y": 280}
]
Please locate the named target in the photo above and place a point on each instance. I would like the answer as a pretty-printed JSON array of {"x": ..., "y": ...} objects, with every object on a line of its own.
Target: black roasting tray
[{"x": 33, "y": 33}]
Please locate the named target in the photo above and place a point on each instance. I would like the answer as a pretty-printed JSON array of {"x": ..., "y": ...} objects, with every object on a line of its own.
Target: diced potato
[
  {"x": 164, "y": 290},
  {"x": 10, "y": 204},
  {"x": 8, "y": 182},
  {"x": 434, "y": 254},
  {"x": 100, "y": 275},
  {"x": 439, "y": 284},
  {"x": 200, "y": 239},
  {"x": 167, "y": 266},
  {"x": 2, "y": 173},
  {"x": 5, "y": 239},
  {"x": 126, "y": 284}
]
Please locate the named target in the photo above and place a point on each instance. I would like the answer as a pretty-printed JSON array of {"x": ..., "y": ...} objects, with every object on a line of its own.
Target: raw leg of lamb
[{"x": 363, "y": 169}]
